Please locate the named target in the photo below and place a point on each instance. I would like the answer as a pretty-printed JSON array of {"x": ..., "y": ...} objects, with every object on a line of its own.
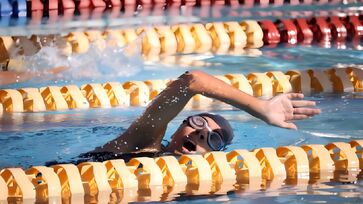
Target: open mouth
[{"x": 189, "y": 146}]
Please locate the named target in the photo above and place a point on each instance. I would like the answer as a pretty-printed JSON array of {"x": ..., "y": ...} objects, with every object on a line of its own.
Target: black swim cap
[{"x": 224, "y": 124}]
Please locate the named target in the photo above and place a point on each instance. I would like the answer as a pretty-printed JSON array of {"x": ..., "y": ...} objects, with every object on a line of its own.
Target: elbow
[{"x": 193, "y": 80}]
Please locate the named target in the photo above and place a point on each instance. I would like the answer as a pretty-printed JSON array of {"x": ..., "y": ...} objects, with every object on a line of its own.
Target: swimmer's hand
[{"x": 282, "y": 109}]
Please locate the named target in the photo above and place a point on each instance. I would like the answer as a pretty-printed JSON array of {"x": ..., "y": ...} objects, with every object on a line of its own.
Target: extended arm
[{"x": 147, "y": 131}]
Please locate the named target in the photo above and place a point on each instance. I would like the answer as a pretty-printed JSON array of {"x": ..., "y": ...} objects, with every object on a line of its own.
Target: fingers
[
  {"x": 299, "y": 117},
  {"x": 303, "y": 103},
  {"x": 289, "y": 125},
  {"x": 295, "y": 95},
  {"x": 306, "y": 111}
]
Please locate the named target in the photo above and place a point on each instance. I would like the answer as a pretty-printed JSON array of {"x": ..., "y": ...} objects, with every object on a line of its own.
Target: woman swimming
[{"x": 203, "y": 132}]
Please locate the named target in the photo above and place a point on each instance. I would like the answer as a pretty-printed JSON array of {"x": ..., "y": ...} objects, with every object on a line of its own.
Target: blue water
[{"x": 29, "y": 139}]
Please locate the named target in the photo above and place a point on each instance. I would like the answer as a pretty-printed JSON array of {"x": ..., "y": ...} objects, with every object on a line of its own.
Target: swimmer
[{"x": 203, "y": 132}]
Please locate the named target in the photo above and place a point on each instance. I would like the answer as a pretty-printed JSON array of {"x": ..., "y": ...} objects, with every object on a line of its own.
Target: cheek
[
  {"x": 180, "y": 134},
  {"x": 202, "y": 145}
]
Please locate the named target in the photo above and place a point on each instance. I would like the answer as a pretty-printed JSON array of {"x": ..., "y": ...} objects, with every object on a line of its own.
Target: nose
[{"x": 202, "y": 134}]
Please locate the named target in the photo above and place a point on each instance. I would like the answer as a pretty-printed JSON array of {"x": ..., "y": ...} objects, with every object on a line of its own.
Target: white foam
[
  {"x": 328, "y": 135},
  {"x": 94, "y": 64}
]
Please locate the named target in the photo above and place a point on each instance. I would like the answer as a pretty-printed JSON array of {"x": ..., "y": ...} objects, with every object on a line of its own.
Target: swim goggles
[{"x": 214, "y": 139}]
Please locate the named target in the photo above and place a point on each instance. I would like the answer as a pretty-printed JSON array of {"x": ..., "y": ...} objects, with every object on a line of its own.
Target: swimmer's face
[{"x": 187, "y": 140}]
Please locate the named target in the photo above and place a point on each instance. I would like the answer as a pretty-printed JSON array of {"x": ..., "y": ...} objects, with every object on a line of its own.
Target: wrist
[{"x": 261, "y": 111}]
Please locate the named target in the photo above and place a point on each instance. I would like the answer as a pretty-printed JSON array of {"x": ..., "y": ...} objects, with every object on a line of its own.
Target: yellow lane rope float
[
  {"x": 183, "y": 38},
  {"x": 41, "y": 184},
  {"x": 140, "y": 93}
]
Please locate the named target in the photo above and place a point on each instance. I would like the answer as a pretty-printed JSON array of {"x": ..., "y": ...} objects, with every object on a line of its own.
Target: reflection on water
[
  {"x": 343, "y": 187},
  {"x": 25, "y": 138}
]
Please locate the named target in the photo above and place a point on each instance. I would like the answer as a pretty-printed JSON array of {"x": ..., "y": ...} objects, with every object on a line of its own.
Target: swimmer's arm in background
[
  {"x": 147, "y": 131},
  {"x": 10, "y": 77}
]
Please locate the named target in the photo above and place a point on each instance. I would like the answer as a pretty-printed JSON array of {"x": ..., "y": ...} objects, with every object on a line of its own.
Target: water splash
[
  {"x": 328, "y": 135},
  {"x": 110, "y": 62}
]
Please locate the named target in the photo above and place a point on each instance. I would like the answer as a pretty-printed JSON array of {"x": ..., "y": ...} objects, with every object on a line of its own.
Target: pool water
[{"x": 30, "y": 139}]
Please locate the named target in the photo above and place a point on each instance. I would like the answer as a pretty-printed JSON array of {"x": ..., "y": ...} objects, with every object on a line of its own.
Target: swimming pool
[{"x": 26, "y": 138}]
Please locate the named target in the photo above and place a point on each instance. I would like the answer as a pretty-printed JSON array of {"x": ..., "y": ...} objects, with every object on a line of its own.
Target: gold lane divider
[
  {"x": 357, "y": 146},
  {"x": 94, "y": 177},
  {"x": 341, "y": 80},
  {"x": 221, "y": 170},
  {"x": 70, "y": 180},
  {"x": 78, "y": 41},
  {"x": 357, "y": 77},
  {"x": 96, "y": 37},
  {"x": 167, "y": 39},
  {"x": 53, "y": 98},
  {"x": 130, "y": 35},
  {"x": 319, "y": 158},
  {"x": 45, "y": 181},
  {"x": 117, "y": 94},
  {"x": 240, "y": 82},
  {"x": 184, "y": 37},
  {"x": 155, "y": 87},
  {"x": 203, "y": 40},
  {"x": 115, "y": 38},
  {"x": 19, "y": 184},
  {"x": 254, "y": 34},
  {"x": 96, "y": 95},
  {"x": 300, "y": 81},
  {"x": 246, "y": 166},
  {"x": 295, "y": 160},
  {"x": 12, "y": 100},
  {"x": 147, "y": 172},
  {"x": 280, "y": 82},
  {"x": 74, "y": 97},
  {"x": 196, "y": 169},
  {"x": 261, "y": 84},
  {"x": 140, "y": 93},
  {"x": 172, "y": 172},
  {"x": 167, "y": 174},
  {"x": 33, "y": 100},
  {"x": 218, "y": 37},
  {"x": 221, "y": 40},
  {"x": 271, "y": 165},
  {"x": 343, "y": 156},
  {"x": 236, "y": 34},
  {"x": 3, "y": 189},
  {"x": 120, "y": 175}
]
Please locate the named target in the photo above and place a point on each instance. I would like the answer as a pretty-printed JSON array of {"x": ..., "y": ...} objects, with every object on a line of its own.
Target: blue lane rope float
[
  {"x": 19, "y": 7},
  {"x": 5, "y": 8}
]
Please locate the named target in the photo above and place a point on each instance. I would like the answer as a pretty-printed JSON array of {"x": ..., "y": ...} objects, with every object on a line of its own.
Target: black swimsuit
[{"x": 104, "y": 156}]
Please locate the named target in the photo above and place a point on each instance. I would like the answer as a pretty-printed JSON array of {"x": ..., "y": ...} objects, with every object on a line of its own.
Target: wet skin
[
  {"x": 146, "y": 133},
  {"x": 187, "y": 140}
]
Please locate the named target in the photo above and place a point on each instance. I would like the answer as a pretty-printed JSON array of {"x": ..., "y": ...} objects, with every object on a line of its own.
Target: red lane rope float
[
  {"x": 17, "y": 6},
  {"x": 140, "y": 93},
  {"x": 168, "y": 175}
]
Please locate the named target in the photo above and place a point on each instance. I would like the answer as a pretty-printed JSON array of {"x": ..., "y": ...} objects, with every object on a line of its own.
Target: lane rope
[{"x": 40, "y": 183}]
